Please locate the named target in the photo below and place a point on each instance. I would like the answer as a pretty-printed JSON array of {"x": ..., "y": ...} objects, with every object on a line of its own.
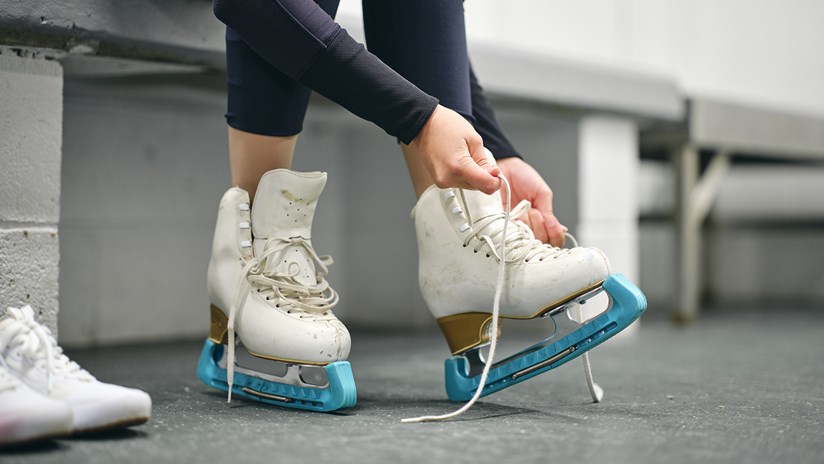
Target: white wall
[{"x": 756, "y": 51}]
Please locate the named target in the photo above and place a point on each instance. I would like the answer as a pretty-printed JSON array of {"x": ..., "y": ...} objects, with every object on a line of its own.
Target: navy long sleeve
[{"x": 301, "y": 40}]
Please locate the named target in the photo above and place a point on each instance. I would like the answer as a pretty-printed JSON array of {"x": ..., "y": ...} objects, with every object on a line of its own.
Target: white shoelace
[
  {"x": 36, "y": 342},
  {"x": 520, "y": 243},
  {"x": 312, "y": 299},
  {"x": 496, "y": 304},
  {"x": 523, "y": 246}
]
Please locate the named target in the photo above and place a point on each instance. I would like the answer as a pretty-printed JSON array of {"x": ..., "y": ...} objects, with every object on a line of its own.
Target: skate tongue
[
  {"x": 283, "y": 208},
  {"x": 285, "y": 203},
  {"x": 478, "y": 205}
]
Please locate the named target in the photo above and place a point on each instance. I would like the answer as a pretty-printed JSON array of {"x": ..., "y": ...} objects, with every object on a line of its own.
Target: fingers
[
  {"x": 478, "y": 153},
  {"x": 537, "y": 224},
  {"x": 477, "y": 177},
  {"x": 555, "y": 231},
  {"x": 478, "y": 170}
]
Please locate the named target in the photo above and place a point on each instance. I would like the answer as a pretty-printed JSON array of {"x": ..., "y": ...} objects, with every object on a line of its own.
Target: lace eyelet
[{"x": 487, "y": 255}]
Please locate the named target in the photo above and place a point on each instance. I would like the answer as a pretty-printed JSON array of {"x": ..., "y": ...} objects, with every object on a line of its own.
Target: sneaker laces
[
  {"x": 315, "y": 299},
  {"x": 523, "y": 246},
  {"x": 7, "y": 381},
  {"x": 36, "y": 342}
]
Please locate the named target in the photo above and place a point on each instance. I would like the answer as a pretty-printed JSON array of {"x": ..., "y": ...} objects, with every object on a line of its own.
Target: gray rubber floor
[{"x": 737, "y": 387}]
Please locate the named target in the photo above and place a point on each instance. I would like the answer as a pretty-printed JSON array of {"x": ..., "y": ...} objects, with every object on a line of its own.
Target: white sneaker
[
  {"x": 31, "y": 353},
  {"x": 26, "y": 415}
]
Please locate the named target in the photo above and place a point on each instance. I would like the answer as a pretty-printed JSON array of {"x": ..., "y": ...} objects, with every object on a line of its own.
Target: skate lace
[
  {"x": 520, "y": 243},
  {"x": 281, "y": 287},
  {"x": 526, "y": 248},
  {"x": 35, "y": 342}
]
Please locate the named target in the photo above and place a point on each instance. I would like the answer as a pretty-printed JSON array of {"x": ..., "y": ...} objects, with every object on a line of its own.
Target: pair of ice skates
[
  {"x": 268, "y": 290},
  {"x": 43, "y": 394}
]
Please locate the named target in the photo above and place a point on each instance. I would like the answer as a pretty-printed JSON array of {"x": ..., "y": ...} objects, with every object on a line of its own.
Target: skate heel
[
  {"x": 218, "y": 326},
  {"x": 466, "y": 330}
]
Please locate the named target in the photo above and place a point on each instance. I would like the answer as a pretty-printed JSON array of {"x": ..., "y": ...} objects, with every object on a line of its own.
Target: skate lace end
[{"x": 499, "y": 284}]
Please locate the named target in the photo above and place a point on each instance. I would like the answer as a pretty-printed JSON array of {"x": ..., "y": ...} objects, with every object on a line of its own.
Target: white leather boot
[
  {"x": 461, "y": 271},
  {"x": 459, "y": 234},
  {"x": 270, "y": 300}
]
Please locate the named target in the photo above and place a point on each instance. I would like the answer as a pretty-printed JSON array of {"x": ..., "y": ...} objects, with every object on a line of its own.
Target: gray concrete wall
[{"x": 31, "y": 112}]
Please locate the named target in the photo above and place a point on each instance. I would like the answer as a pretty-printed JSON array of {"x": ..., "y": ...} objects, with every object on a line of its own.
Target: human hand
[
  {"x": 453, "y": 153},
  {"x": 527, "y": 184}
]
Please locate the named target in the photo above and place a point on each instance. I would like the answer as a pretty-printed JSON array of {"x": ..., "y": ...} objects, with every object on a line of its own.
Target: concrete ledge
[
  {"x": 179, "y": 31},
  {"x": 755, "y": 130},
  {"x": 28, "y": 270},
  {"x": 575, "y": 84}
]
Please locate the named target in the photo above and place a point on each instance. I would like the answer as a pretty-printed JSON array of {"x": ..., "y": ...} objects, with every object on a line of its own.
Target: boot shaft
[{"x": 285, "y": 204}]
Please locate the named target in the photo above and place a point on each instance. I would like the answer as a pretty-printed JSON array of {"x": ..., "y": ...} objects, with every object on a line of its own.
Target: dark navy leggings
[{"x": 422, "y": 40}]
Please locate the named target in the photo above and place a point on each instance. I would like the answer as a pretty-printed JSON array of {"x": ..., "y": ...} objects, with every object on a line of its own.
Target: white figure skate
[
  {"x": 266, "y": 284},
  {"x": 460, "y": 233},
  {"x": 31, "y": 353}
]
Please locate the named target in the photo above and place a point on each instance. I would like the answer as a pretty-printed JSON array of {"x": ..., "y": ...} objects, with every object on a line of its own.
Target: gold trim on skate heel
[
  {"x": 465, "y": 331},
  {"x": 218, "y": 326}
]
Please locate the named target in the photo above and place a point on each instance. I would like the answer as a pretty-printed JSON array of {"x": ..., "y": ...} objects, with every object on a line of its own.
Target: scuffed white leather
[
  {"x": 455, "y": 279},
  {"x": 272, "y": 328}
]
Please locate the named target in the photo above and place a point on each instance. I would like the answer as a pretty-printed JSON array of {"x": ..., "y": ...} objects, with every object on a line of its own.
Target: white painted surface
[
  {"x": 607, "y": 196},
  {"x": 31, "y": 111},
  {"x": 755, "y": 51},
  {"x": 607, "y": 192}
]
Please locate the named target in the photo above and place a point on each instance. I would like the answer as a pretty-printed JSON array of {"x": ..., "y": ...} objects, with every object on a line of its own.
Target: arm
[{"x": 301, "y": 40}]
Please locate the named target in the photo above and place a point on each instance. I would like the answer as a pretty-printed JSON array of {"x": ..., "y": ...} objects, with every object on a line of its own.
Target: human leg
[
  {"x": 538, "y": 279},
  {"x": 273, "y": 336},
  {"x": 425, "y": 42},
  {"x": 265, "y": 113}
]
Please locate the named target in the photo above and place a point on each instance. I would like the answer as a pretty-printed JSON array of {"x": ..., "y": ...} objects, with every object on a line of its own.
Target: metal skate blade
[
  {"x": 564, "y": 323},
  {"x": 266, "y": 395},
  {"x": 300, "y": 375}
]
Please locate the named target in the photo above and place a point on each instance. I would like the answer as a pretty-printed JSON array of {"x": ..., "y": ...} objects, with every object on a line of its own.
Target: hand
[
  {"x": 526, "y": 184},
  {"x": 454, "y": 153}
]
